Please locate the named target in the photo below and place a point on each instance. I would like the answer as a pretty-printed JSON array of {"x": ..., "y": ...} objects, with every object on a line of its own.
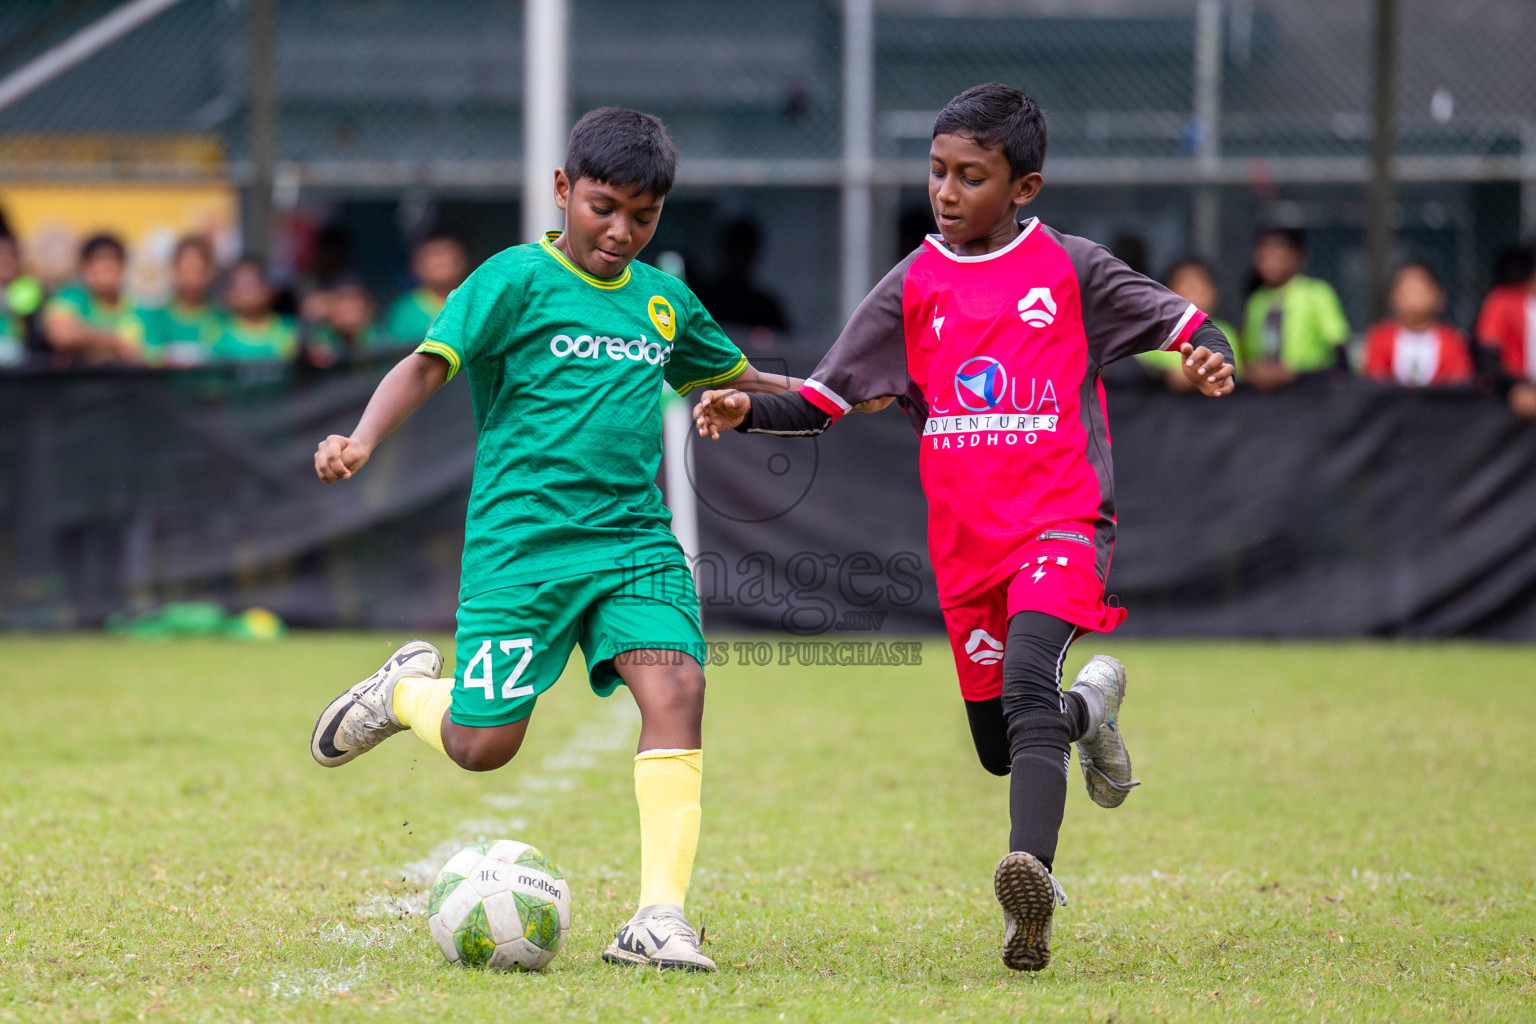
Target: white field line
[
  {"x": 608, "y": 731},
  {"x": 317, "y": 982}
]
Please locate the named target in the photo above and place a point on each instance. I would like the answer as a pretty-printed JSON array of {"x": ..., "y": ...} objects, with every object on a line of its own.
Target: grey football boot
[
  {"x": 363, "y": 715},
  {"x": 659, "y": 936},
  {"x": 1101, "y": 751},
  {"x": 1029, "y": 895}
]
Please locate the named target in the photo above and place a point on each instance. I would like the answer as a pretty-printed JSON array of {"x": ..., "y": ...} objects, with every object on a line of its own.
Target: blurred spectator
[
  {"x": 1294, "y": 323},
  {"x": 731, "y": 296},
  {"x": 1506, "y": 327},
  {"x": 348, "y": 329},
  {"x": 90, "y": 319},
  {"x": 1190, "y": 278},
  {"x": 21, "y": 297},
  {"x": 184, "y": 331},
  {"x": 252, "y": 331},
  {"x": 439, "y": 263},
  {"x": 1416, "y": 348}
]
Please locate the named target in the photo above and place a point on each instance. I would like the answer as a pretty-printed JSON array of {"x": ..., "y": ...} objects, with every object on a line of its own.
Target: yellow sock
[
  {"x": 667, "y": 784},
  {"x": 420, "y": 703}
]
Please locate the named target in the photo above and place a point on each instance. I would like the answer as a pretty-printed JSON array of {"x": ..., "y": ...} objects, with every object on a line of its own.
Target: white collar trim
[{"x": 937, "y": 242}]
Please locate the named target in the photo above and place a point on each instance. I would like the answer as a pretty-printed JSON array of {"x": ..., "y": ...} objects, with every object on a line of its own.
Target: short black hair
[
  {"x": 98, "y": 244},
  {"x": 1296, "y": 238},
  {"x": 623, "y": 148},
  {"x": 996, "y": 114}
]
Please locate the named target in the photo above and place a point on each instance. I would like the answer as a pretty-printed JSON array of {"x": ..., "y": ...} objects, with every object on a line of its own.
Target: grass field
[{"x": 1325, "y": 833}]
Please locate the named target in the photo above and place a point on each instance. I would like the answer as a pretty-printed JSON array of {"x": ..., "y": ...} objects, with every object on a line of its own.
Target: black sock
[
  {"x": 1037, "y": 799},
  {"x": 1077, "y": 714}
]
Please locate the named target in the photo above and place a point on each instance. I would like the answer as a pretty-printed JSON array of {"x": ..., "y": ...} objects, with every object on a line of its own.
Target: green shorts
[{"x": 513, "y": 643}]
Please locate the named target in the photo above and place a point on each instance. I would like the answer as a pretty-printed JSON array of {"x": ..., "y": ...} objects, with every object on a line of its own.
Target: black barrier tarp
[{"x": 1334, "y": 509}]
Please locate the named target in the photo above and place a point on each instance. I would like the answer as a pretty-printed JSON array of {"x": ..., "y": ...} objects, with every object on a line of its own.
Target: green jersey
[
  {"x": 272, "y": 340},
  {"x": 181, "y": 334},
  {"x": 121, "y": 319},
  {"x": 411, "y": 315},
  {"x": 566, "y": 373},
  {"x": 1300, "y": 324}
]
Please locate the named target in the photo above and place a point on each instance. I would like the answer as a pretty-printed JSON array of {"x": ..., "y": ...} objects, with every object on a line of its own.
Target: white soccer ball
[{"x": 500, "y": 904}]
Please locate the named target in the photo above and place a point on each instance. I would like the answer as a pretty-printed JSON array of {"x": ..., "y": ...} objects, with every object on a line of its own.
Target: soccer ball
[{"x": 500, "y": 904}]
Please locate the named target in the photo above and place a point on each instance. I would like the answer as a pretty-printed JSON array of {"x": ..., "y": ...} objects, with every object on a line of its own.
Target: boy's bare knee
[
  {"x": 685, "y": 689},
  {"x": 480, "y": 758},
  {"x": 481, "y": 750}
]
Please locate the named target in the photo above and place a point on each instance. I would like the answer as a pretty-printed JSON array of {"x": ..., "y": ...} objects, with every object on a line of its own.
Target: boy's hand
[
  {"x": 339, "y": 457},
  {"x": 721, "y": 410},
  {"x": 1209, "y": 371},
  {"x": 874, "y": 404}
]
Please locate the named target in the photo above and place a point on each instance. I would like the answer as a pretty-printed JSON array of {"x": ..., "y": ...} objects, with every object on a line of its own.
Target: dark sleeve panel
[
  {"x": 869, "y": 358},
  {"x": 788, "y": 415},
  {"x": 1124, "y": 312}
]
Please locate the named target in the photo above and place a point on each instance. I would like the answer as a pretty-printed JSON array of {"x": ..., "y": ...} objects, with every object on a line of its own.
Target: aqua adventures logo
[{"x": 980, "y": 383}]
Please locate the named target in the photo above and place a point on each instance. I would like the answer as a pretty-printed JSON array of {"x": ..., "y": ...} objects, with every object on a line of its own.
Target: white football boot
[
  {"x": 1101, "y": 751},
  {"x": 658, "y": 936},
  {"x": 363, "y": 715},
  {"x": 1029, "y": 895}
]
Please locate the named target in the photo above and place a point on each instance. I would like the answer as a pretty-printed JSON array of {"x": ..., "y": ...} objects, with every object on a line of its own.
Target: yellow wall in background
[{"x": 51, "y": 220}]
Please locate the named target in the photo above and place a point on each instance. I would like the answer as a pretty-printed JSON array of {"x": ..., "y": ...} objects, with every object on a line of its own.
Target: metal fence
[{"x": 1185, "y": 123}]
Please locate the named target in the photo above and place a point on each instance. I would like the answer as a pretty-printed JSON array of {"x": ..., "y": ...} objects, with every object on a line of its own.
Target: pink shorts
[{"x": 1056, "y": 577}]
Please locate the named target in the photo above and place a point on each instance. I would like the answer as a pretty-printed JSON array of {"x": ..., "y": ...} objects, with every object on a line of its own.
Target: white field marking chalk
[
  {"x": 317, "y": 982},
  {"x": 360, "y": 938},
  {"x": 609, "y": 731}
]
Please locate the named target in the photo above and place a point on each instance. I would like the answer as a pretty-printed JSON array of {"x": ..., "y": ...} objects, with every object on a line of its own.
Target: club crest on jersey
[
  {"x": 662, "y": 316},
  {"x": 984, "y": 648},
  {"x": 1038, "y": 308},
  {"x": 980, "y": 383}
]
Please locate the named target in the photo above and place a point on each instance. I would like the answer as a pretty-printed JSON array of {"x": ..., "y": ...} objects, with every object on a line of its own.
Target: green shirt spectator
[
  {"x": 1300, "y": 325},
  {"x": 184, "y": 331},
  {"x": 269, "y": 339},
  {"x": 1293, "y": 323},
  {"x": 439, "y": 262},
  {"x": 181, "y": 335},
  {"x": 76, "y": 303},
  {"x": 411, "y": 315},
  {"x": 252, "y": 332},
  {"x": 90, "y": 320}
]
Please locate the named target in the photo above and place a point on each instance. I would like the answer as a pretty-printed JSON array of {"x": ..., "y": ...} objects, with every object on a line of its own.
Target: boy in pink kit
[{"x": 991, "y": 336}]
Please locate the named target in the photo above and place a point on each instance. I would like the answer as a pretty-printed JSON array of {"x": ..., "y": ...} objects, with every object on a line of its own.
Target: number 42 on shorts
[{"x": 481, "y": 670}]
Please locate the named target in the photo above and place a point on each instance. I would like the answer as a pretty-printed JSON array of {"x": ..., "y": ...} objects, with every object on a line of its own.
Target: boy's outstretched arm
[
  {"x": 864, "y": 371},
  {"x": 400, "y": 393},
  {"x": 1207, "y": 361}
]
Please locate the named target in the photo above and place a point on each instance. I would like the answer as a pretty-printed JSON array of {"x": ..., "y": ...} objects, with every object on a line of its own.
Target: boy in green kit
[
  {"x": 91, "y": 319},
  {"x": 439, "y": 263},
  {"x": 184, "y": 330},
  {"x": 252, "y": 332},
  {"x": 566, "y": 344}
]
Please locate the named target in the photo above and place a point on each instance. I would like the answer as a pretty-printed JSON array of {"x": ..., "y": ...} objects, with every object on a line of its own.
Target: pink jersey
[{"x": 997, "y": 360}]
